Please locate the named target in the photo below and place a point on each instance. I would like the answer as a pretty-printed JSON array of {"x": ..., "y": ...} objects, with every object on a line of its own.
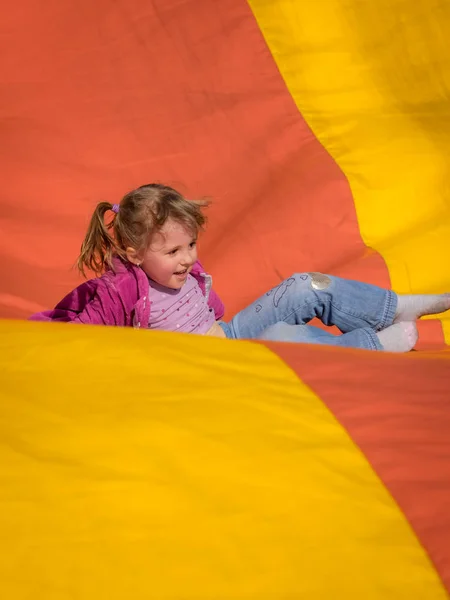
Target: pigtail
[
  {"x": 140, "y": 214},
  {"x": 99, "y": 246}
]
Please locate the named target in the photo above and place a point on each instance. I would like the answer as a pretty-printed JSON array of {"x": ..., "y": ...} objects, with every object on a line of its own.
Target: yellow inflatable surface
[{"x": 188, "y": 467}]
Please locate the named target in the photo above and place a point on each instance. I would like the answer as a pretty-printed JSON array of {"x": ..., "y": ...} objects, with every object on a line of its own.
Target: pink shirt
[{"x": 184, "y": 310}]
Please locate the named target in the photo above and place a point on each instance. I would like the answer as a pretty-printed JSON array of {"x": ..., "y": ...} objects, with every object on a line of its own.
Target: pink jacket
[{"x": 119, "y": 298}]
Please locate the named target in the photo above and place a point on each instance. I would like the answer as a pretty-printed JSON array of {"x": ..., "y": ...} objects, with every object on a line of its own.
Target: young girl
[{"x": 150, "y": 277}]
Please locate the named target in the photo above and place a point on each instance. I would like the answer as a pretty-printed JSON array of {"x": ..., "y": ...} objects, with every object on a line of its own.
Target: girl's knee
[{"x": 317, "y": 281}]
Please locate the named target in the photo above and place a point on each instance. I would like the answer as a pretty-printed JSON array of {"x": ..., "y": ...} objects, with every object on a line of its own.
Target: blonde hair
[{"x": 140, "y": 214}]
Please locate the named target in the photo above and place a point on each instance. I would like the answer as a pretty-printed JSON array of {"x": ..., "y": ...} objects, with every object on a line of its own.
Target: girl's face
[{"x": 170, "y": 255}]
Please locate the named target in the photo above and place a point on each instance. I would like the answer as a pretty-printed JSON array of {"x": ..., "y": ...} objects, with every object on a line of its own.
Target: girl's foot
[
  {"x": 412, "y": 307},
  {"x": 400, "y": 337}
]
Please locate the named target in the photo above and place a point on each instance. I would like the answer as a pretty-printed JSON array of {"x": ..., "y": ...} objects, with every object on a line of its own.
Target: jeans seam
[
  {"x": 373, "y": 339},
  {"x": 389, "y": 310}
]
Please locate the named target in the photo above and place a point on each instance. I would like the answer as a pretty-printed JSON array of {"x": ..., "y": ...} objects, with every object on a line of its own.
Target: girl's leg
[
  {"x": 414, "y": 306},
  {"x": 347, "y": 304},
  {"x": 307, "y": 334},
  {"x": 400, "y": 337}
]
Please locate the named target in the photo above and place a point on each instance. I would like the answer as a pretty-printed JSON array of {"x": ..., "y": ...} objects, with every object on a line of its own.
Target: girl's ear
[{"x": 132, "y": 256}]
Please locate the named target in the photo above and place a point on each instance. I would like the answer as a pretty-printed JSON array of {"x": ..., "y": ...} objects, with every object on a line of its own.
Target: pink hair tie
[{"x": 115, "y": 208}]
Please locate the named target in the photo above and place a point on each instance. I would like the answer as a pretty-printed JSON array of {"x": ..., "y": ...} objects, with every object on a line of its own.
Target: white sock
[
  {"x": 400, "y": 337},
  {"x": 413, "y": 307}
]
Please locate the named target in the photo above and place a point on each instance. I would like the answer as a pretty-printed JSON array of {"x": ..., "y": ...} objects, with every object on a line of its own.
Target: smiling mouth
[{"x": 180, "y": 272}]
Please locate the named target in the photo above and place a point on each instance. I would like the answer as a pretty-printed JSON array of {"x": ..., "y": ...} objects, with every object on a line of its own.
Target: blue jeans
[{"x": 358, "y": 309}]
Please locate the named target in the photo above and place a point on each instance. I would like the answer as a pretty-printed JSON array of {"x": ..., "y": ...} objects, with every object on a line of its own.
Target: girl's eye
[
  {"x": 193, "y": 244},
  {"x": 173, "y": 252}
]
